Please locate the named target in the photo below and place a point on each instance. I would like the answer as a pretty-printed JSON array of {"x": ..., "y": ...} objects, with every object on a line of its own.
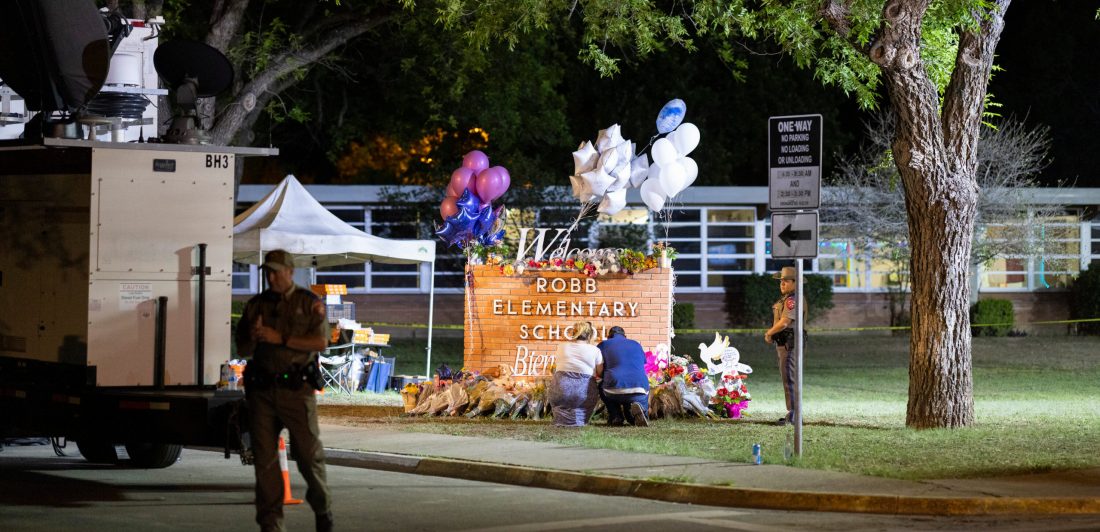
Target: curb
[{"x": 710, "y": 495}]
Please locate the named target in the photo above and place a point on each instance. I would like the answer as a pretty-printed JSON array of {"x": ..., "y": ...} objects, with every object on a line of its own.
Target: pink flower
[{"x": 733, "y": 410}]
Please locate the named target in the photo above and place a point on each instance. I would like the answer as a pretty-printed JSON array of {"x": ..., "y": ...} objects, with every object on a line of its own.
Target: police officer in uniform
[
  {"x": 280, "y": 331},
  {"x": 782, "y": 335}
]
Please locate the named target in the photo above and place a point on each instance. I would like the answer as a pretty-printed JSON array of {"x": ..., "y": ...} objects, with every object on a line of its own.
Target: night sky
[{"x": 1050, "y": 53}]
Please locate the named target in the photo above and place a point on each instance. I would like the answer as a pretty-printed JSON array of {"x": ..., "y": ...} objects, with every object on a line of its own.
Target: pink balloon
[
  {"x": 448, "y": 208},
  {"x": 491, "y": 183},
  {"x": 461, "y": 179},
  {"x": 476, "y": 161},
  {"x": 506, "y": 177}
]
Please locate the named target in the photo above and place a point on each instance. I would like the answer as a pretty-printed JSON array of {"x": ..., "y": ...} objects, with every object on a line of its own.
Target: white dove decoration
[{"x": 722, "y": 358}]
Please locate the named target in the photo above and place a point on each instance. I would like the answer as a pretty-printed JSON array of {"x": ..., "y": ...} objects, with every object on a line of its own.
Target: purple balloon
[
  {"x": 476, "y": 161},
  {"x": 506, "y": 177},
  {"x": 498, "y": 180},
  {"x": 462, "y": 179},
  {"x": 490, "y": 184}
]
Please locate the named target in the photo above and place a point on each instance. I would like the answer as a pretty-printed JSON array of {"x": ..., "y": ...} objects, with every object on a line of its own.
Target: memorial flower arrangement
[
  {"x": 664, "y": 249},
  {"x": 732, "y": 396},
  {"x": 603, "y": 262}
]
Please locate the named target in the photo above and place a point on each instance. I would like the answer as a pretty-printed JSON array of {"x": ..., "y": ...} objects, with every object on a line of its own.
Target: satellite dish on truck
[
  {"x": 55, "y": 54},
  {"x": 194, "y": 70}
]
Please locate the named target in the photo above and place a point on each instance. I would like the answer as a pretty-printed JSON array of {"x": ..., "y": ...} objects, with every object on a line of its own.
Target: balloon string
[
  {"x": 647, "y": 145},
  {"x": 586, "y": 207}
]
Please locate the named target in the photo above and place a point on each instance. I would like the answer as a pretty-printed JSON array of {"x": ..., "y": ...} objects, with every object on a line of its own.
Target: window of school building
[{"x": 719, "y": 233}]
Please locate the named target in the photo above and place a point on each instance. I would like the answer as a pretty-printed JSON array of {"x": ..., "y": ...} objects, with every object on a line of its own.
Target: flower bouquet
[
  {"x": 409, "y": 394},
  {"x": 732, "y": 397}
]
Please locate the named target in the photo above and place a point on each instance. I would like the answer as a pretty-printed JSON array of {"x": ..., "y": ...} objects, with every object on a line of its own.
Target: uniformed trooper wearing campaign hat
[
  {"x": 782, "y": 335},
  {"x": 281, "y": 331}
]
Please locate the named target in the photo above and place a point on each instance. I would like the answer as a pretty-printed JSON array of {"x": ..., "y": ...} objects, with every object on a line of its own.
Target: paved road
[{"x": 39, "y": 491}]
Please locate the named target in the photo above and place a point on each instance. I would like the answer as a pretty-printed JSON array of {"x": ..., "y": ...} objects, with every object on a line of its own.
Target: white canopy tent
[{"x": 289, "y": 218}]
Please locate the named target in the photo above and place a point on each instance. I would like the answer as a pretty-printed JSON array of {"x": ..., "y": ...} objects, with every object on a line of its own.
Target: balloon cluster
[
  {"x": 672, "y": 170},
  {"x": 468, "y": 215},
  {"x": 602, "y": 172}
]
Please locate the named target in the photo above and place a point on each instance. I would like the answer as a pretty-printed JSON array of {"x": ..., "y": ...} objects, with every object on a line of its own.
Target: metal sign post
[
  {"x": 794, "y": 195},
  {"x": 798, "y": 328}
]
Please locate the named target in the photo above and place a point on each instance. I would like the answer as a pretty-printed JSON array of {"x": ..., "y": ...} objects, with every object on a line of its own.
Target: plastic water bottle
[{"x": 757, "y": 458}]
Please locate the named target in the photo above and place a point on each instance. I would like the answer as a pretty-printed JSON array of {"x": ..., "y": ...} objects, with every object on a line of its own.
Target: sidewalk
[{"x": 698, "y": 481}]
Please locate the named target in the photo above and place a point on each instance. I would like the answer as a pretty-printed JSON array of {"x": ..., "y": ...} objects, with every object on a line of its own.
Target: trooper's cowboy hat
[
  {"x": 278, "y": 260},
  {"x": 788, "y": 273}
]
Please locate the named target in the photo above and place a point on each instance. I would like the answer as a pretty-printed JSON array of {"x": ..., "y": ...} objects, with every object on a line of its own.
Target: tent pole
[{"x": 431, "y": 314}]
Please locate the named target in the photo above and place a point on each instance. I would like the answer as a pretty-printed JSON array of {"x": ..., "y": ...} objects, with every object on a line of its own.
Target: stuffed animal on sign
[{"x": 722, "y": 358}]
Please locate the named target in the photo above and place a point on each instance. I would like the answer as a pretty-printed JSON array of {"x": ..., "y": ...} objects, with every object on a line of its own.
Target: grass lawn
[{"x": 1037, "y": 408}]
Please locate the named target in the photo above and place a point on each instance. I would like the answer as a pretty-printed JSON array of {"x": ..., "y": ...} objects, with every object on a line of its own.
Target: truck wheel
[
  {"x": 96, "y": 451},
  {"x": 153, "y": 455}
]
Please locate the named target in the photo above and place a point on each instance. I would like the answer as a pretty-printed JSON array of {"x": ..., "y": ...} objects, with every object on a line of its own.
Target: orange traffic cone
[{"x": 287, "y": 498}]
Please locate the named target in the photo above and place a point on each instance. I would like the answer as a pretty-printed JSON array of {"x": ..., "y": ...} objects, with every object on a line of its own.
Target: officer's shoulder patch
[{"x": 790, "y": 303}]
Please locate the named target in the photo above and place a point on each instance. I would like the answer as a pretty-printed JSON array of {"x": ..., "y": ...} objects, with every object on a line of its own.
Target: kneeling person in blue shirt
[{"x": 625, "y": 387}]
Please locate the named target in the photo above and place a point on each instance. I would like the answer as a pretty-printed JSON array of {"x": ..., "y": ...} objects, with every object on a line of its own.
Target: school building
[{"x": 718, "y": 232}]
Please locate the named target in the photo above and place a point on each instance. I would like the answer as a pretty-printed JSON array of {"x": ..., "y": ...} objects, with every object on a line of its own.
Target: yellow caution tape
[{"x": 758, "y": 329}]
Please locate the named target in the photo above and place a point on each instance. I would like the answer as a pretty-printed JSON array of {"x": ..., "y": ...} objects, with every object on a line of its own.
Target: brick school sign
[{"x": 519, "y": 320}]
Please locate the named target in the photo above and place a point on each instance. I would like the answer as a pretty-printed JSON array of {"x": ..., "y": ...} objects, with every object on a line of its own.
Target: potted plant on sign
[{"x": 665, "y": 254}]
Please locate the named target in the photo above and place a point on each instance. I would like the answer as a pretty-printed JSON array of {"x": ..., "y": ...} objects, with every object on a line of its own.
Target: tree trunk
[
  {"x": 941, "y": 227},
  {"x": 937, "y": 160}
]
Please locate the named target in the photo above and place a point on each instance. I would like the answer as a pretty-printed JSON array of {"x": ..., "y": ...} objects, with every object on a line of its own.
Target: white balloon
[
  {"x": 690, "y": 169},
  {"x": 581, "y": 191},
  {"x": 584, "y": 159},
  {"x": 685, "y": 138},
  {"x": 625, "y": 150},
  {"x": 598, "y": 181},
  {"x": 653, "y": 195},
  {"x": 609, "y": 159},
  {"x": 622, "y": 177},
  {"x": 613, "y": 202},
  {"x": 639, "y": 169},
  {"x": 609, "y": 138},
  {"x": 672, "y": 138},
  {"x": 654, "y": 172},
  {"x": 663, "y": 152},
  {"x": 673, "y": 178}
]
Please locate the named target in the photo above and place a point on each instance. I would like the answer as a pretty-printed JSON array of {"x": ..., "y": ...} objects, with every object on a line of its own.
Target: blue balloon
[
  {"x": 485, "y": 220},
  {"x": 671, "y": 115},
  {"x": 452, "y": 233},
  {"x": 467, "y": 224},
  {"x": 491, "y": 239}
]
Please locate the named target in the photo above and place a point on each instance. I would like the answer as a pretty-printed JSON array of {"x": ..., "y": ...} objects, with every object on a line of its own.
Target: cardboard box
[
  {"x": 329, "y": 289},
  {"x": 362, "y": 336}
]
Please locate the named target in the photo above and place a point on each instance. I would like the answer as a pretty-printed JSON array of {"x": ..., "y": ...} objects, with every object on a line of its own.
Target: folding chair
[{"x": 334, "y": 369}]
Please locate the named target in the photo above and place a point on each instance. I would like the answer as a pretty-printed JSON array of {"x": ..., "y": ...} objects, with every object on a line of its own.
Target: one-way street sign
[
  {"x": 794, "y": 235},
  {"x": 794, "y": 162}
]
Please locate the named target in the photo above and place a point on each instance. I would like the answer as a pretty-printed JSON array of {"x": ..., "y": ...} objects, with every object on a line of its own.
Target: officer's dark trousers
[
  {"x": 788, "y": 361},
  {"x": 271, "y": 410}
]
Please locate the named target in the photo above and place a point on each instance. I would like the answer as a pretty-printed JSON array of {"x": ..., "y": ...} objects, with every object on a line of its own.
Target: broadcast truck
[{"x": 115, "y": 252}]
